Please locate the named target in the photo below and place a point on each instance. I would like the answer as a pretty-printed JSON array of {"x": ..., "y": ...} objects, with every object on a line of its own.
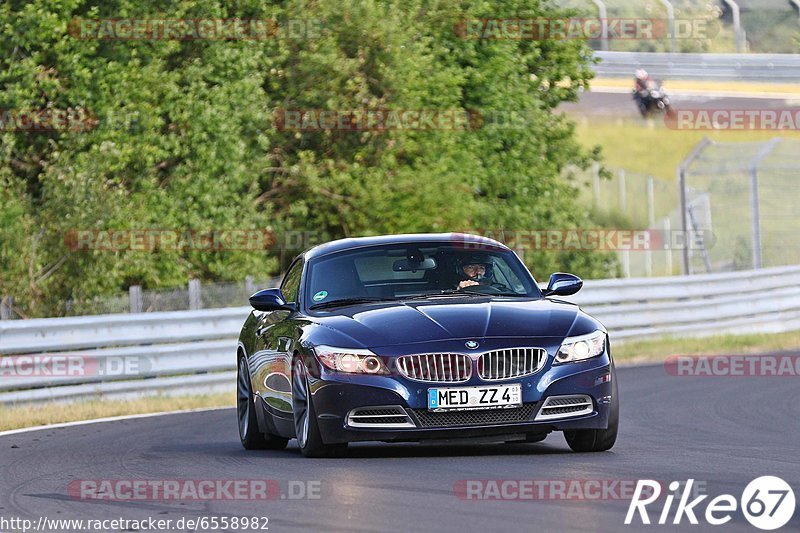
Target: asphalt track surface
[{"x": 721, "y": 431}]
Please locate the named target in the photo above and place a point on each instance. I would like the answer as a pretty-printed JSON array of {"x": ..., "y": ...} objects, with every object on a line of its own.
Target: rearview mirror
[
  {"x": 270, "y": 300},
  {"x": 407, "y": 265},
  {"x": 562, "y": 284}
]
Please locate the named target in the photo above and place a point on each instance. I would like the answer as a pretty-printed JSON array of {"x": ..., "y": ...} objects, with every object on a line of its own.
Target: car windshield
[{"x": 402, "y": 271}]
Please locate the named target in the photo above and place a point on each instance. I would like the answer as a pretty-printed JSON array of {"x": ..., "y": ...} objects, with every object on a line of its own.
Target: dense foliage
[{"x": 184, "y": 136}]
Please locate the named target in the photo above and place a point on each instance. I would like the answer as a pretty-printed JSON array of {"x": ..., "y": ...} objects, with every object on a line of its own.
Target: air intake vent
[
  {"x": 565, "y": 407},
  {"x": 389, "y": 417},
  {"x": 484, "y": 417}
]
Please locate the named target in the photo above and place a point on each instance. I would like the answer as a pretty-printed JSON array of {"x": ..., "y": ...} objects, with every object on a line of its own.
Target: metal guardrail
[
  {"x": 783, "y": 68},
  {"x": 753, "y": 301},
  {"x": 193, "y": 352}
]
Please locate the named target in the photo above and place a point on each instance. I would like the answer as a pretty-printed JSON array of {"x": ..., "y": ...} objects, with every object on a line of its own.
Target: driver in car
[{"x": 476, "y": 270}]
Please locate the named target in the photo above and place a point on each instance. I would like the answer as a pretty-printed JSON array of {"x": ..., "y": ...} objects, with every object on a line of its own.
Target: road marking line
[{"x": 108, "y": 419}]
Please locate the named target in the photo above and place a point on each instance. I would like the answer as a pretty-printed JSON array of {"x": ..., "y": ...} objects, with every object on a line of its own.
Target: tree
[{"x": 185, "y": 136}]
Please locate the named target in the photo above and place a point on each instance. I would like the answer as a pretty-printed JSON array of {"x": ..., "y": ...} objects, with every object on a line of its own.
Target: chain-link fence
[
  {"x": 628, "y": 200},
  {"x": 748, "y": 190},
  {"x": 738, "y": 205}
]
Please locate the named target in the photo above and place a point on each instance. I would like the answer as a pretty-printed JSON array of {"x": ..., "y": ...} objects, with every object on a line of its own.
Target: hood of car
[{"x": 394, "y": 323}]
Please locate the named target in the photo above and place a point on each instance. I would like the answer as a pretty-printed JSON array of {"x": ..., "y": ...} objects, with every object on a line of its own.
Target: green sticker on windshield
[{"x": 321, "y": 295}]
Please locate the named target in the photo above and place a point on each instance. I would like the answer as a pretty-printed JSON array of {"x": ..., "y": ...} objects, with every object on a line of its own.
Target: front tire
[
  {"x": 597, "y": 440},
  {"x": 249, "y": 434},
  {"x": 309, "y": 439}
]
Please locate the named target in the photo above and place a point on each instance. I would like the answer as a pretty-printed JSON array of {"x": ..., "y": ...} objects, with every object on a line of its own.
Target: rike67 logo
[{"x": 767, "y": 502}]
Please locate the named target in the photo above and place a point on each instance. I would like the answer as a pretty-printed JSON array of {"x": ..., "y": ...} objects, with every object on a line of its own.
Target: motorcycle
[{"x": 651, "y": 99}]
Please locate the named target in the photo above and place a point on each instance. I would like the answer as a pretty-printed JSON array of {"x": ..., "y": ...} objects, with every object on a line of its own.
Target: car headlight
[
  {"x": 581, "y": 347},
  {"x": 350, "y": 360}
]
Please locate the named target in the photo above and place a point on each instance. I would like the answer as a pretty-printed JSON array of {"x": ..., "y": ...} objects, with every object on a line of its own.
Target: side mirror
[
  {"x": 562, "y": 284},
  {"x": 270, "y": 300}
]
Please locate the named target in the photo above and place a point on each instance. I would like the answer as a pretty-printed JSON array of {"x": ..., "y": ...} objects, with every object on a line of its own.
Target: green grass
[
  {"x": 649, "y": 147},
  {"x": 28, "y": 415},
  {"x": 637, "y": 352}
]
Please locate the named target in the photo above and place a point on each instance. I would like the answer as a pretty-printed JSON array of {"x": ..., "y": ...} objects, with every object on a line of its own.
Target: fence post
[
  {"x": 249, "y": 285},
  {"x": 6, "y": 305},
  {"x": 667, "y": 231},
  {"x": 194, "y": 294},
  {"x": 623, "y": 204},
  {"x": 681, "y": 172},
  {"x": 135, "y": 295},
  {"x": 626, "y": 263},
  {"x": 755, "y": 211},
  {"x": 797, "y": 5},
  {"x": 651, "y": 224},
  {"x": 601, "y": 8},
  {"x": 671, "y": 17},
  {"x": 737, "y": 24}
]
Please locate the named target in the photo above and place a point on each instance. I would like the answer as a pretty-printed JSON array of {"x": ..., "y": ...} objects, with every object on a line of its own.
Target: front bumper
[{"x": 335, "y": 395}]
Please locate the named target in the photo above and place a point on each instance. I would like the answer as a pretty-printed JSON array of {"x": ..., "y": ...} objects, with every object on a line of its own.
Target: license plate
[{"x": 463, "y": 398}]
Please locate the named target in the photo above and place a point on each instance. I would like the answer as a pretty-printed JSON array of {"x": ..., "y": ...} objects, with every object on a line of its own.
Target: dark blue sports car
[{"x": 415, "y": 337}]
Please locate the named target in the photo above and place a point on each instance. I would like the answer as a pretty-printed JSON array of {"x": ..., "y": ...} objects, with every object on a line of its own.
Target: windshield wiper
[
  {"x": 446, "y": 292},
  {"x": 465, "y": 292},
  {"x": 349, "y": 301}
]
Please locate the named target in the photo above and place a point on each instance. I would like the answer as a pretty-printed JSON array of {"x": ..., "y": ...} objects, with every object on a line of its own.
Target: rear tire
[
  {"x": 249, "y": 433},
  {"x": 597, "y": 440},
  {"x": 309, "y": 438}
]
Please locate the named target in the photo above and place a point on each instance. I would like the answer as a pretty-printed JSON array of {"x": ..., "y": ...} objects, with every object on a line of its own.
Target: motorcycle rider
[
  {"x": 641, "y": 79},
  {"x": 641, "y": 94}
]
